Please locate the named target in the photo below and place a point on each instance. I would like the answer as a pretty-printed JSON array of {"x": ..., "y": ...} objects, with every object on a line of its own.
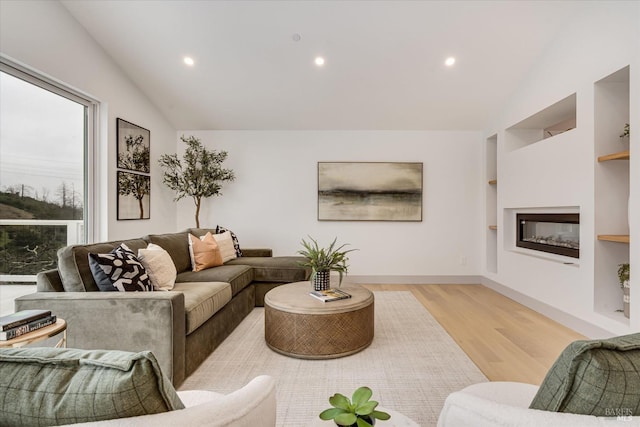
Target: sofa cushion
[
  {"x": 239, "y": 276},
  {"x": 177, "y": 245},
  {"x": 275, "y": 269},
  {"x": 202, "y": 300},
  {"x": 73, "y": 263},
  {"x": 219, "y": 230},
  {"x": 594, "y": 377},
  {"x": 51, "y": 386}
]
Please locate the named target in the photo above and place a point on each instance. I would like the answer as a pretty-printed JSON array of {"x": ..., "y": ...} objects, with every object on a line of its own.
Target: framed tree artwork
[
  {"x": 134, "y": 193},
  {"x": 134, "y": 147},
  {"x": 369, "y": 191},
  {"x": 134, "y": 181}
]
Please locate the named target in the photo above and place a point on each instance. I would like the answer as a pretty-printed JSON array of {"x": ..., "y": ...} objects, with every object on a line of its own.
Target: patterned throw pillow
[
  {"x": 119, "y": 270},
  {"x": 595, "y": 377},
  {"x": 236, "y": 244}
]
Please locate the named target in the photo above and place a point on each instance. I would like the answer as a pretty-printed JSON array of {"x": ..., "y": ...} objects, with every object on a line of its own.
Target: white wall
[
  {"x": 559, "y": 172},
  {"x": 43, "y": 36},
  {"x": 273, "y": 202}
]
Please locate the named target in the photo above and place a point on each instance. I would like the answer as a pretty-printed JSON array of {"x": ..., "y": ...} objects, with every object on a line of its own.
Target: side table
[{"x": 40, "y": 335}]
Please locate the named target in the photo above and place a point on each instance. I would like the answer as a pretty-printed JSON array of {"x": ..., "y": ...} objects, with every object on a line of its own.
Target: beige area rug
[{"x": 412, "y": 365}]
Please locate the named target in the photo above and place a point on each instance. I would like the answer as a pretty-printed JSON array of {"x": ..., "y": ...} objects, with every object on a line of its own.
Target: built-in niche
[{"x": 553, "y": 120}]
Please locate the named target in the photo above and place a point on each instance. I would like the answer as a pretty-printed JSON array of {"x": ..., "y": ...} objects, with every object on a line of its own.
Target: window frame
[{"x": 92, "y": 113}]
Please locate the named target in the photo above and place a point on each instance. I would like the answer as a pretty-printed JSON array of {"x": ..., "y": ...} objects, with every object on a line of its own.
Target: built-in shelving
[
  {"x": 491, "y": 202},
  {"x": 622, "y": 155},
  {"x": 618, "y": 238},
  {"x": 612, "y": 184}
]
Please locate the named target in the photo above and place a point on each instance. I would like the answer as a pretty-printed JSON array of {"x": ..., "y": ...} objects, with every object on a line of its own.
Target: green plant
[
  {"x": 325, "y": 259},
  {"x": 200, "y": 176},
  {"x": 347, "y": 412},
  {"x": 624, "y": 271},
  {"x": 625, "y": 131}
]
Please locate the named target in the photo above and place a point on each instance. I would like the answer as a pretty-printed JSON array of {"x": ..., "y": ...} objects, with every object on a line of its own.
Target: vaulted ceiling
[{"x": 254, "y": 60}]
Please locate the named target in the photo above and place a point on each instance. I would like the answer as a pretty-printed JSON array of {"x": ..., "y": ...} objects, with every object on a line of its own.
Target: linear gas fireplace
[{"x": 554, "y": 233}]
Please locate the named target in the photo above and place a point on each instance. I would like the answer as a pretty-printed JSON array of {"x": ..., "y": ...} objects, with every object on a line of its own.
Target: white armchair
[
  {"x": 254, "y": 405},
  {"x": 494, "y": 404}
]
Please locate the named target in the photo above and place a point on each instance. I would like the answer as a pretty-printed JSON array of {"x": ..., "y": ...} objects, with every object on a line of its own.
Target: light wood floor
[{"x": 506, "y": 340}]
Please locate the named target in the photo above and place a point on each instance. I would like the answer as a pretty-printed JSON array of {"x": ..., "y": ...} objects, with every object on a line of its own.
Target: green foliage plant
[
  {"x": 624, "y": 272},
  {"x": 357, "y": 411},
  {"x": 198, "y": 175},
  {"x": 320, "y": 259},
  {"x": 625, "y": 131}
]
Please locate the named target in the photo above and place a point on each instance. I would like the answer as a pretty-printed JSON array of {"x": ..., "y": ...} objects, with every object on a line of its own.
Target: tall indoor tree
[{"x": 198, "y": 175}]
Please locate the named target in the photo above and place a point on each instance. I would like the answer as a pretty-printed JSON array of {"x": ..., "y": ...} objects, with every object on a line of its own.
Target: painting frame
[
  {"x": 133, "y": 147},
  {"x": 133, "y": 196},
  {"x": 370, "y": 191}
]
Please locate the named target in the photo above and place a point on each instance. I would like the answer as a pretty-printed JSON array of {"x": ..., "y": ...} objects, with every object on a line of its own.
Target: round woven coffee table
[{"x": 298, "y": 325}]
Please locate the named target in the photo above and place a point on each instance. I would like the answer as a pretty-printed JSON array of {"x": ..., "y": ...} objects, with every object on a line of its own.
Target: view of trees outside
[{"x": 42, "y": 138}]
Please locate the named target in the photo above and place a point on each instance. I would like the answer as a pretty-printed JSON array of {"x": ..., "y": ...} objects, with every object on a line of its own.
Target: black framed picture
[
  {"x": 134, "y": 195},
  {"x": 134, "y": 147},
  {"x": 369, "y": 191}
]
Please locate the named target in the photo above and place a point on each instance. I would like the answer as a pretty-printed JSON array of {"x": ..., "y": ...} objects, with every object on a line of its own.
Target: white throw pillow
[
  {"x": 225, "y": 243},
  {"x": 159, "y": 266}
]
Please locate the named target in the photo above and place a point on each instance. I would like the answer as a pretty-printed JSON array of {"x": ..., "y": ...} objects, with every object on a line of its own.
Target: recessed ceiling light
[
  {"x": 319, "y": 61},
  {"x": 296, "y": 37},
  {"x": 188, "y": 60},
  {"x": 450, "y": 61}
]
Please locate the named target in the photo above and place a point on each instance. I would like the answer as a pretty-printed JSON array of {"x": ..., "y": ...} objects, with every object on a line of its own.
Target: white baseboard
[{"x": 416, "y": 280}]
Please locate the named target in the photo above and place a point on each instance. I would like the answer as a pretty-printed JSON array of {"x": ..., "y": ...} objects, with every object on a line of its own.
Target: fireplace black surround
[{"x": 553, "y": 233}]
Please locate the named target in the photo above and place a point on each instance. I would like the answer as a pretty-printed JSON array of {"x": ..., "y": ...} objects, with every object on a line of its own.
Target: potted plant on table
[
  {"x": 624, "y": 271},
  {"x": 324, "y": 260},
  {"x": 357, "y": 412}
]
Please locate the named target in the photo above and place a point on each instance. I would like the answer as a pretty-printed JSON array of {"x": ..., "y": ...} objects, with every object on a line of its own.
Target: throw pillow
[
  {"x": 160, "y": 267},
  {"x": 119, "y": 270},
  {"x": 204, "y": 252},
  {"x": 51, "y": 386},
  {"x": 594, "y": 377},
  {"x": 236, "y": 244},
  {"x": 225, "y": 243}
]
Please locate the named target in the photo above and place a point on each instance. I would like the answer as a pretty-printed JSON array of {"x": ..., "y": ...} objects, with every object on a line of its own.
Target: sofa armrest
[
  {"x": 257, "y": 252},
  {"x": 130, "y": 321},
  {"x": 49, "y": 281}
]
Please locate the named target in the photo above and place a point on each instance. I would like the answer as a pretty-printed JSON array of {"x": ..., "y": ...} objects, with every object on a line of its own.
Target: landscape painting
[{"x": 369, "y": 191}]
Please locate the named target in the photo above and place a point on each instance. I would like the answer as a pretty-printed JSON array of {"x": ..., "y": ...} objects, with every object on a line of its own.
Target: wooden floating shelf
[
  {"x": 493, "y": 182},
  {"x": 493, "y": 227},
  {"x": 618, "y": 238},
  {"x": 622, "y": 155}
]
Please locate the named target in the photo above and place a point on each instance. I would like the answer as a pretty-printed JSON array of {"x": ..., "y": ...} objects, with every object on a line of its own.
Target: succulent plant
[{"x": 359, "y": 411}]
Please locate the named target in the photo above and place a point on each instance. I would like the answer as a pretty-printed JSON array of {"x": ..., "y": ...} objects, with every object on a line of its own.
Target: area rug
[{"x": 412, "y": 365}]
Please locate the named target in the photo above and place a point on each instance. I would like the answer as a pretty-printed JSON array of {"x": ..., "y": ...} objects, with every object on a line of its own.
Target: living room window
[{"x": 46, "y": 158}]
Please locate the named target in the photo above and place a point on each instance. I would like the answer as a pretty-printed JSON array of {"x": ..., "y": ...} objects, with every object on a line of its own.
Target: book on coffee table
[
  {"x": 22, "y": 318},
  {"x": 330, "y": 295}
]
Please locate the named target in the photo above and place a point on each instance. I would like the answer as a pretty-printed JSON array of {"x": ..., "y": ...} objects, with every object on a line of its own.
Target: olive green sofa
[{"x": 182, "y": 326}]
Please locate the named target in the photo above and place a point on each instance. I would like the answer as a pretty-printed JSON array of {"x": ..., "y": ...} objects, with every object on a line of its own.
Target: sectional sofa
[{"x": 182, "y": 326}]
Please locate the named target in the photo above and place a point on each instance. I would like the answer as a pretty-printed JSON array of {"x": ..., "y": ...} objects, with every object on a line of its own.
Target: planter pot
[
  {"x": 321, "y": 281},
  {"x": 371, "y": 421},
  {"x": 626, "y": 288}
]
